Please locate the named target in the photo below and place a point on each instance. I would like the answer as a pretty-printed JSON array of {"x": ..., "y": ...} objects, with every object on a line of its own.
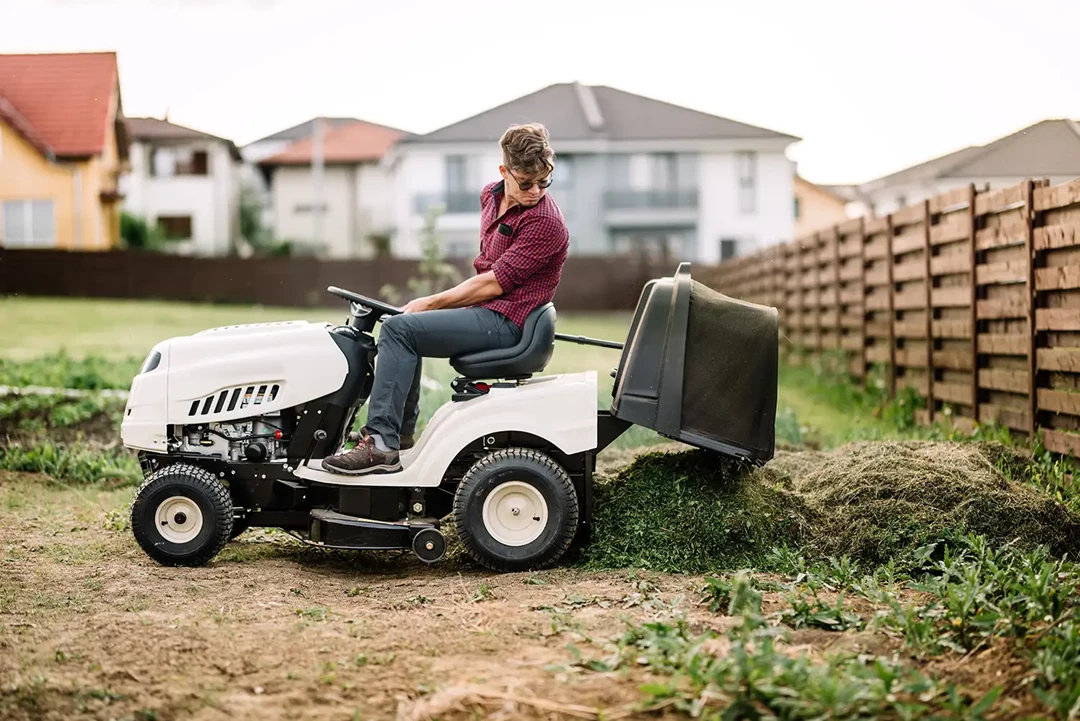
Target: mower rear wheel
[
  {"x": 182, "y": 515},
  {"x": 516, "y": 509}
]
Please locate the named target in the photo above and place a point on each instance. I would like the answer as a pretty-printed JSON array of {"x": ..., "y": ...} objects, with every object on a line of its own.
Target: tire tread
[
  {"x": 568, "y": 532},
  {"x": 219, "y": 497}
]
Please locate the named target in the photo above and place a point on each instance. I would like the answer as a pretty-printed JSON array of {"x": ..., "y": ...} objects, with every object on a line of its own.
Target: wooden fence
[
  {"x": 588, "y": 283},
  {"x": 971, "y": 298}
]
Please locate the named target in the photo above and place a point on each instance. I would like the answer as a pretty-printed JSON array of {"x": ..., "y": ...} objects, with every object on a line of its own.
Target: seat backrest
[{"x": 529, "y": 355}]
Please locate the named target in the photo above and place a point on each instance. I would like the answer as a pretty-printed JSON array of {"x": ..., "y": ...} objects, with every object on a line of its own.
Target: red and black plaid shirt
[{"x": 526, "y": 249}]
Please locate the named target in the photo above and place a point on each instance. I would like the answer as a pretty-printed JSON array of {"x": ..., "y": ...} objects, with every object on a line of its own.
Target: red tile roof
[
  {"x": 354, "y": 142},
  {"x": 64, "y": 98}
]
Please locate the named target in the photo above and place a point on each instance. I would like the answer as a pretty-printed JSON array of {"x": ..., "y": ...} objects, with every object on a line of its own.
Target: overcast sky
[{"x": 869, "y": 86}]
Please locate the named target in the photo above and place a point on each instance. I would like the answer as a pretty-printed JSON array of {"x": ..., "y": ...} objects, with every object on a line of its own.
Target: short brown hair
[{"x": 525, "y": 148}]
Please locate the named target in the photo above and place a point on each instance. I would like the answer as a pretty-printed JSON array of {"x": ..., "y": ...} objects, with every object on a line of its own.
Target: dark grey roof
[
  {"x": 307, "y": 128},
  {"x": 572, "y": 111},
  {"x": 1047, "y": 148},
  {"x": 159, "y": 129}
]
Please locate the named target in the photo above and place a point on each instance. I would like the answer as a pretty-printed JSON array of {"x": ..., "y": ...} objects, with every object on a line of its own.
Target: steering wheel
[{"x": 362, "y": 305}]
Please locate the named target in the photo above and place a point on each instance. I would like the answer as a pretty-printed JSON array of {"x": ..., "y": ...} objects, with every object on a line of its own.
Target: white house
[
  {"x": 632, "y": 174},
  {"x": 1048, "y": 149},
  {"x": 254, "y": 180},
  {"x": 329, "y": 192},
  {"x": 186, "y": 182}
]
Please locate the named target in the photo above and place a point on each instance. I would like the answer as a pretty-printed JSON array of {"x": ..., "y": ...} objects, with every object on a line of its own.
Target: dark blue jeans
[{"x": 405, "y": 340}]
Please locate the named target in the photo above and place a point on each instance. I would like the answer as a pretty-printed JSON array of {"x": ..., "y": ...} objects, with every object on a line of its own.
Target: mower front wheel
[
  {"x": 182, "y": 515},
  {"x": 516, "y": 509}
]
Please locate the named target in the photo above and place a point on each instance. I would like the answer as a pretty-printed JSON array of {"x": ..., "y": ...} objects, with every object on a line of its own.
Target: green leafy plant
[{"x": 433, "y": 273}]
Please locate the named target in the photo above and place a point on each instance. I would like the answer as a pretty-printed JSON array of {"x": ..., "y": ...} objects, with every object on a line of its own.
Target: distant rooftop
[{"x": 574, "y": 111}]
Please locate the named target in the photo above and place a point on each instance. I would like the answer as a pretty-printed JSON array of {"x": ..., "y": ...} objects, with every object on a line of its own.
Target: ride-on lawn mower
[{"x": 231, "y": 425}]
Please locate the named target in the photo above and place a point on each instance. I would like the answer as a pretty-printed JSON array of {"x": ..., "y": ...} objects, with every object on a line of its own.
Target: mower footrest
[{"x": 337, "y": 530}]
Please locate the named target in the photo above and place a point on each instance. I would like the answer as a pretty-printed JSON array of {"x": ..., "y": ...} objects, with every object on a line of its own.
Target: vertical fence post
[
  {"x": 1029, "y": 246},
  {"x": 973, "y": 256},
  {"x": 843, "y": 352},
  {"x": 862, "y": 300},
  {"x": 928, "y": 283},
  {"x": 892, "y": 305}
]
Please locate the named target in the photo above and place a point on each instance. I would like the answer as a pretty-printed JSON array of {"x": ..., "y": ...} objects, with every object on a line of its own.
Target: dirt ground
[{"x": 92, "y": 628}]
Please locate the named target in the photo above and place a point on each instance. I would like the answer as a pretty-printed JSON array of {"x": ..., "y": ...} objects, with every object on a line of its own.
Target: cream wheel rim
[
  {"x": 178, "y": 519},
  {"x": 515, "y": 513}
]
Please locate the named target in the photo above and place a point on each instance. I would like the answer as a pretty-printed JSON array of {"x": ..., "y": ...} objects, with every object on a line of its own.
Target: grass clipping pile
[{"x": 694, "y": 512}]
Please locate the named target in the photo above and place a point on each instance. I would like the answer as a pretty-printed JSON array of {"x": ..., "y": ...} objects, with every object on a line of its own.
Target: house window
[
  {"x": 564, "y": 171},
  {"x": 729, "y": 248},
  {"x": 28, "y": 224},
  {"x": 663, "y": 171},
  {"x": 167, "y": 162},
  {"x": 456, "y": 174},
  {"x": 175, "y": 227},
  {"x": 746, "y": 167},
  {"x": 796, "y": 208}
]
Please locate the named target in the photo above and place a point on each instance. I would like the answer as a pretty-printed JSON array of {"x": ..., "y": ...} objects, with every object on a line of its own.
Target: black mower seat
[{"x": 530, "y": 355}]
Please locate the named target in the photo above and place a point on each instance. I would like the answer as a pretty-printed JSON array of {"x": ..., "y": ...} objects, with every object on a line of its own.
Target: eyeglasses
[{"x": 526, "y": 185}]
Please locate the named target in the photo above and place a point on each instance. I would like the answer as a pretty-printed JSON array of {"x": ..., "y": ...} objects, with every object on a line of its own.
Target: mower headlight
[{"x": 151, "y": 362}]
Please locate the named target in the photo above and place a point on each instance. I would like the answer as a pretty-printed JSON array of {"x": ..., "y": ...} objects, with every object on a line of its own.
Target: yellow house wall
[{"x": 25, "y": 174}]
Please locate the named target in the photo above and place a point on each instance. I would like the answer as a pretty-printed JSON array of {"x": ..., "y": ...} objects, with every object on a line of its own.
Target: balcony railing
[
  {"x": 651, "y": 199},
  {"x": 463, "y": 202}
]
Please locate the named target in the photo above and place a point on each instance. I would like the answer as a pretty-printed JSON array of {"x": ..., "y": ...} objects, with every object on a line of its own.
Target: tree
[{"x": 434, "y": 274}]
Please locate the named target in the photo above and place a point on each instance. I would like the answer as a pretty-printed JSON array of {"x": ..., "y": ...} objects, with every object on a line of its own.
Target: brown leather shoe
[
  {"x": 406, "y": 442},
  {"x": 365, "y": 457}
]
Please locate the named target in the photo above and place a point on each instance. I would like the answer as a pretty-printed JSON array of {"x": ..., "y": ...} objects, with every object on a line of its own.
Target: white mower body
[{"x": 237, "y": 380}]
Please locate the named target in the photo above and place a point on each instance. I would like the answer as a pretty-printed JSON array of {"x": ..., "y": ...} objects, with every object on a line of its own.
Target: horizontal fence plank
[
  {"x": 954, "y": 199},
  {"x": 1004, "y": 344},
  {"x": 908, "y": 215},
  {"x": 1003, "y": 415},
  {"x": 997, "y": 309},
  {"x": 852, "y": 271},
  {"x": 877, "y": 354},
  {"x": 1061, "y": 278},
  {"x": 877, "y": 276},
  {"x": 1051, "y": 237},
  {"x": 1061, "y": 442},
  {"x": 910, "y": 299},
  {"x": 1058, "y": 359},
  {"x": 950, "y": 264},
  {"x": 910, "y": 270},
  {"x": 1057, "y": 196},
  {"x": 1059, "y": 401},
  {"x": 1057, "y": 319},
  {"x": 953, "y": 392},
  {"x": 1011, "y": 271},
  {"x": 877, "y": 302},
  {"x": 878, "y": 328},
  {"x": 851, "y": 295},
  {"x": 997, "y": 200},
  {"x": 1008, "y": 230},
  {"x": 950, "y": 297},
  {"x": 951, "y": 328},
  {"x": 952, "y": 360},
  {"x": 950, "y": 230},
  {"x": 1003, "y": 380},
  {"x": 909, "y": 243},
  {"x": 909, "y": 329}
]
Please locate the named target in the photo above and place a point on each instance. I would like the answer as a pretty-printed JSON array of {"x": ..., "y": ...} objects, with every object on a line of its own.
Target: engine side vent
[{"x": 228, "y": 399}]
